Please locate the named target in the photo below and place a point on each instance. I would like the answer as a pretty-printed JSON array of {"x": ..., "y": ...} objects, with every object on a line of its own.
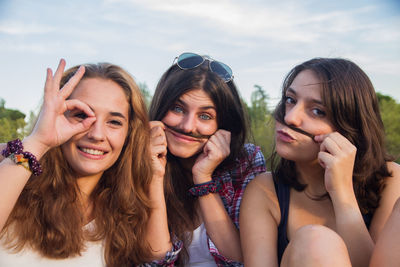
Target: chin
[{"x": 185, "y": 153}]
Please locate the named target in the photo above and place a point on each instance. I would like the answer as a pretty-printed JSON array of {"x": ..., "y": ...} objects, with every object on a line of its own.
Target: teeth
[{"x": 92, "y": 151}]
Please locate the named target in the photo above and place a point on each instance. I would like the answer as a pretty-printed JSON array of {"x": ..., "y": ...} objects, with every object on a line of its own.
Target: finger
[
  {"x": 324, "y": 159},
  {"x": 158, "y": 140},
  {"x": 72, "y": 82},
  {"x": 214, "y": 148},
  {"x": 224, "y": 132},
  {"x": 49, "y": 81},
  {"x": 223, "y": 140},
  {"x": 226, "y": 137},
  {"x": 156, "y": 131},
  {"x": 59, "y": 72},
  {"x": 329, "y": 145},
  {"x": 157, "y": 123},
  {"x": 343, "y": 142},
  {"x": 159, "y": 151},
  {"x": 83, "y": 125},
  {"x": 334, "y": 135},
  {"x": 76, "y": 104}
]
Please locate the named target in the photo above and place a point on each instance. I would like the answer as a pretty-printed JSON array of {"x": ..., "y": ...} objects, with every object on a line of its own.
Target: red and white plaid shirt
[{"x": 234, "y": 181}]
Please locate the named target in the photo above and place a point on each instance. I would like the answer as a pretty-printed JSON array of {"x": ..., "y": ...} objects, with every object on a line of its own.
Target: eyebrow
[
  {"x": 117, "y": 114},
  {"x": 291, "y": 90},
  {"x": 112, "y": 113},
  {"x": 183, "y": 103}
]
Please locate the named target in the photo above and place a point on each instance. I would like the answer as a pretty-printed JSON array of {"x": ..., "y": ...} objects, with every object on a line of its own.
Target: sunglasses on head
[{"x": 191, "y": 60}]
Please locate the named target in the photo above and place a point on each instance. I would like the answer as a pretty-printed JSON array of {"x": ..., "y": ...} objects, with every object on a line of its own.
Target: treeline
[{"x": 13, "y": 124}]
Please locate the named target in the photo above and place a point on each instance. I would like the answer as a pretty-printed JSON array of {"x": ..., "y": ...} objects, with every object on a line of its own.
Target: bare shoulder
[
  {"x": 394, "y": 168},
  {"x": 263, "y": 184},
  {"x": 261, "y": 190},
  {"x": 389, "y": 196},
  {"x": 392, "y": 183}
]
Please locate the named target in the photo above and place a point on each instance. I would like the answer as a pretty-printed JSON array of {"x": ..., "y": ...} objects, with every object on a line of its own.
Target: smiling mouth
[{"x": 91, "y": 151}]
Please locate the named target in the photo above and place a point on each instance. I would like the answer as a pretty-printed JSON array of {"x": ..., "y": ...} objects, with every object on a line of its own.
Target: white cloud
[
  {"x": 47, "y": 47},
  {"x": 23, "y": 28},
  {"x": 375, "y": 63},
  {"x": 279, "y": 21}
]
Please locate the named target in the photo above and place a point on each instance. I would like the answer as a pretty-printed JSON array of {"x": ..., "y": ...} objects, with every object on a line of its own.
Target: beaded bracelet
[
  {"x": 199, "y": 190},
  {"x": 14, "y": 151}
]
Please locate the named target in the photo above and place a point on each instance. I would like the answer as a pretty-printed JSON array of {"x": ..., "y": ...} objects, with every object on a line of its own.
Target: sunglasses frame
[{"x": 210, "y": 60}]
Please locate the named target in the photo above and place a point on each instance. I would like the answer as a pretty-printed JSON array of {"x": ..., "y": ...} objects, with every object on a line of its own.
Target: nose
[
  {"x": 96, "y": 131},
  {"x": 293, "y": 116},
  {"x": 188, "y": 123}
]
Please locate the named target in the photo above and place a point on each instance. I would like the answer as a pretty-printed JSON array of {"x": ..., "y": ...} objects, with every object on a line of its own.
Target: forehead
[
  {"x": 307, "y": 83},
  {"x": 197, "y": 96},
  {"x": 101, "y": 95}
]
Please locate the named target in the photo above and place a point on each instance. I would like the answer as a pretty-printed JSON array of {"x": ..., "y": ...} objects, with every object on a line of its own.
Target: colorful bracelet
[
  {"x": 14, "y": 151},
  {"x": 199, "y": 190}
]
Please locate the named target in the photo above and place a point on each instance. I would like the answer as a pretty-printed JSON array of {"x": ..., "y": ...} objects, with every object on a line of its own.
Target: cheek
[
  {"x": 67, "y": 151},
  {"x": 171, "y": 119},
  {"x": 117, "y": 139},
  {"x": 208, "y": 128},
  {"x": 325, "y": 129}
]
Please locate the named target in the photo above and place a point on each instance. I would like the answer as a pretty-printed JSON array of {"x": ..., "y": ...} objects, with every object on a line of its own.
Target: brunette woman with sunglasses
[
  {"x": 332, "y": 190},
  {"x": 201, "y": 164}
]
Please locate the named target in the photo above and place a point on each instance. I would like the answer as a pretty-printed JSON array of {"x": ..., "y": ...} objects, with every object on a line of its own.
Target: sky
[{"x": 261, "y": 40}]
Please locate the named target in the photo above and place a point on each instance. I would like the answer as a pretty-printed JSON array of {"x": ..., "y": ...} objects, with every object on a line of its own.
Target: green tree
[
  {"x": 145, "y": 92},
  {"x": 390, "y": 112},
  {"x": 261, "y": 121},
  {"x": 30, "y": 123},
  {"x": 12, "y": 123}
]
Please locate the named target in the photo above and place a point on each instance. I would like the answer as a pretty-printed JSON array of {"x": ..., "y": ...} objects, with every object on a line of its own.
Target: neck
[
  {"x": 188, "y": 163},
  {"x": 86, "y": 185},
  {"x": 312, "y": 174}
]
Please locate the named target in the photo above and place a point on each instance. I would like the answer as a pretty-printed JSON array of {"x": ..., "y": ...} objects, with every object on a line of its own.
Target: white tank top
[
  {"x": 199, "y": 254},
  {"x": 93, "y": 256}
]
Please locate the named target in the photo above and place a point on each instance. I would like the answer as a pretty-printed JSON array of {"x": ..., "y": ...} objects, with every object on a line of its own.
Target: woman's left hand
[
  {"x": 337, "y": 155},
  {"x": 214, "y": 152}
]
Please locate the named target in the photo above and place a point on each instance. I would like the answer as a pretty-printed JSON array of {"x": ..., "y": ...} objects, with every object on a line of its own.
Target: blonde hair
[{"x": 49, "y": 204}]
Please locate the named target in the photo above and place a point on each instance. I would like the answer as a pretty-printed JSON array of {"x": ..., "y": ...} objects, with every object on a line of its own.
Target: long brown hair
[
  {"x": 49, "y": 204},
  {"x": 230, "y": 116},
  {"x": 352, "y": 107}
]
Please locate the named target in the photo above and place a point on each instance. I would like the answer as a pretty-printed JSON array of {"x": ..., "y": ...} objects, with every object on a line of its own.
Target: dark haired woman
[
  {"x": 74, "y": 192},
  {"x": 201, "y": 163},
  {"x": 328, "y": 198}
]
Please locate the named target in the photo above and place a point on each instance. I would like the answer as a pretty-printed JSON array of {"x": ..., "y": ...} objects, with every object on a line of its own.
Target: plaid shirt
[{"x": 234, "y": 181}]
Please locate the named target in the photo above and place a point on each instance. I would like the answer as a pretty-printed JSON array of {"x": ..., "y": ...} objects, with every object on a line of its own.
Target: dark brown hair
[
  {"x": 230, "y": 116},
  {"x": 352, "y": 107},
  {"x": 49, "y": 204}
]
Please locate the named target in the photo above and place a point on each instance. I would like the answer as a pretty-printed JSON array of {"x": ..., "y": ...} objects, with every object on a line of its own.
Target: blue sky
[{"x": 260, "y": 40}]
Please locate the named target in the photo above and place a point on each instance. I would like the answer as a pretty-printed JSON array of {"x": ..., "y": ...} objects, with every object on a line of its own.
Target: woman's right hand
[
  {"x": 158, "y": 148},
  {"x": 52, "y": 127}
]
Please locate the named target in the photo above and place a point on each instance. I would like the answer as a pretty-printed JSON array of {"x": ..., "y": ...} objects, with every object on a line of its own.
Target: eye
[
  {"x": 205, "y": 117},
  {"x": 289, "y": 100},
  {"x": 177, "y": 109},
  {"x": 318, "y": 112},
  {"x": 115, "y": 122},
  {"x": 80, "y": 115}
]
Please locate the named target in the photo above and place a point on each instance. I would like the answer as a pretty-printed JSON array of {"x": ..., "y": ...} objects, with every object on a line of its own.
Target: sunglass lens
[
  {"x": 189, "y": 60},
  {"x": 223, "y": 70}
]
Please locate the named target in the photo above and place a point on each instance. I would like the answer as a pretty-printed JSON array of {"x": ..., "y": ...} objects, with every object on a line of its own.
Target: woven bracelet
[
  {"x": 14, "y": 151},
  {"x": 199, "y": 190}
]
